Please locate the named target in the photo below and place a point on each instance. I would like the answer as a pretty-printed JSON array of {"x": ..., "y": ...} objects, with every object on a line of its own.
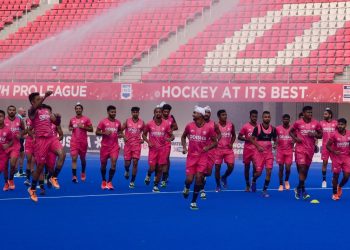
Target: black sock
[
  {"x": 266, "y": 185},
  {"x": 324, "y": 175},
  {"x": 287, "y": 176},
  {"x": 41, "y": 184},
  {"x": 103, "y": 173},
  {"x": 343, "y": 182},
  {"x": 83, "y": 168},
  {"x": 28, "y": 173},
  {"x": 34, "y": 184},
  {"x": 133, "y": 177},
  {"x": 74, "y": 171},
  {"x": 111, "y": 175},
  {"x": 281, "y": 182},
  {"x": 21, "y": 170},
  {"x": 165, "y": 176},
  {"x": 335, "y": 189},
  {"x": 187, "y": 185},
  {"x": 56, "y": 173},
  {"x": 196, "y": 190}
]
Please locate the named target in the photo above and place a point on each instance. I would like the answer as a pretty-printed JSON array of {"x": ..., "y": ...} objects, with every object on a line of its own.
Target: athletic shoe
[
  {"x": 11, "y": 185},
  {"x": 194, "y": 206},
  {"x": 253, "y": 187},
  {"x": 54, "y": 182},
  {"x": 335, "y": 197},
  {"x": 147, "y": 180},
  {"x": 306, "y": 196},
  {"x": 224, "y": 182},
  {"x": 74, "y": 179},
  {"x": 155, "y": 189},
  {"x": 287, "y": 185},
  {"x": 32, "y": 195},
  {"x": 132, "y": 185},
  {"x": 186, "y": 192},
  {"x": 104, "y": 185},
  {"x": 163, "y": 184},
  {"x": 265, "y": 194},
  {"x": 280, "y": 188},
  {"x": 203, "y": 195},
  {"x": 297, "y": 193},
  {"x": 42, "y": 191},
  {"x": 126, "y": 175},
  {"x": 247, "y": 188},
  {"x": 83, "y": 177},
  {"x": 324, "y": 184},
  {"x": 6, "y": 186},
  {"x": 27, "y": 183},
  {"x": 110, "y": 185},
  {"x": 339, "y": 191},
  {"x": 17, "y": 174},
  {"x": 23, "y": 174},
  {"x": 218, "y": 189}
]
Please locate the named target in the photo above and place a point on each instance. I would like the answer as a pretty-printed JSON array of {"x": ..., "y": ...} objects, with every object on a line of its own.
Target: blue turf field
[{"x": 81, "y": 216}]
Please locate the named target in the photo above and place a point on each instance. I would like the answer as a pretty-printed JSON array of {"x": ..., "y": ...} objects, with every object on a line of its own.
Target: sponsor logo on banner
[
  {"x": 126, "y": 92},
  {"x": 346, "y": 93}
]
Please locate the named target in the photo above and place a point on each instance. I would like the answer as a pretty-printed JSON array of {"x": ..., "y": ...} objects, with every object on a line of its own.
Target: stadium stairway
[
  {"x": 44, "y": 6},
  {"x": 154, "y": 57}
]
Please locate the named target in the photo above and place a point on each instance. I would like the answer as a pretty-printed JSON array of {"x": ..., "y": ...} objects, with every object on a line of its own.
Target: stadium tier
[{"x": 256, "y": 41}]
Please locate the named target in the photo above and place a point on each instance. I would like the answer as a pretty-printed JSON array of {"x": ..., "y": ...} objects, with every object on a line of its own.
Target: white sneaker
[
  {"x": 203, "y": 195},
  {"x": 17, "y": 175},
  {"x": 155, "y": 189},
  {"x": 324, "y": 184},
  {"x": 193, "y": 206}
]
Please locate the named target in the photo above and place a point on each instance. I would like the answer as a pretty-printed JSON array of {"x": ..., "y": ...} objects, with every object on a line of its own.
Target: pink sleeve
[
  {"x": 101, "y": 125},
  {"x": 9, "y": 136},
  {"x": 146, "y": 128},
  {"x": 242, "y": 132},
  {"x": 295, "y": 126},
  {"x": 319, "y": 127},
  {"x": 88, "y": 122}
]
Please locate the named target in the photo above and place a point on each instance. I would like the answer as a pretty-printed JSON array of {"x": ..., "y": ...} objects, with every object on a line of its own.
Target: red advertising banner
[{"x": 334, "y": 93}]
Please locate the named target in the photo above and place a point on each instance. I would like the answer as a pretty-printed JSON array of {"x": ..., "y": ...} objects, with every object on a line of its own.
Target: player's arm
[
  {"x": 233, "y": 134},
  {"x": 10, "y": 143},
  {"x": 183, "y": 142},
  {"x": 60, "y": 132},
  {"x": 23, "y": 129},
  {"x": 329, "y": 147},
  {"x": 294, "y": 136},
  {"x": 122, "y": 129},
  {"x": 145, "y": 137},
  {"x": 70, "y": 126},
  {"x": 174, "y": 126},
  {"x": 88, "y": 127},
  {"x": 100, "y": 132},
  {"x": 34, "y": 108},
  {"x": 241, "y": 136},
  {"x": 254, "y": 141},
  {"x": 274, "y": 137},
  {"x": 217, "y": 131},
  {"x": 214, "y": 140}
]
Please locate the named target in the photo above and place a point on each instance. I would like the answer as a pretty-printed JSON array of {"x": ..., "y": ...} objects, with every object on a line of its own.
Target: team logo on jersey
[{"x": 126, "y": 92}]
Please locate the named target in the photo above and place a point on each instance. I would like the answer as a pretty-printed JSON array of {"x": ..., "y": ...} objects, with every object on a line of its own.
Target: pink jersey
[
  {"x": 284, "y": 140},
  {"x": 158, "y": 133},
  {"x": 133, "y": 131},
  {"x": 42, "y": 123},
  {"x": 79, "y": 134},
  {"x": 15, "y": 127},
  {"x": 328, "y": 128},
  {"x": 247, "y": 131},
  {"x": 226, "y": 135},
  {"x": 170, "y": 121},
  {"x": 54, "y": 130},
  {"x": 198, "y": 137},
  {"x": 302, "y": 129},
  {"x": 5, "y": 137},
  {"x": 341, "y": 142},
  {"x": 114, "y": 127}
]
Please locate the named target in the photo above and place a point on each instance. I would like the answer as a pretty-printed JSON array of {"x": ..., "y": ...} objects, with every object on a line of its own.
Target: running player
[
  {"x": 304, "y": 132},
  {"x": 6, "y": 141},
  {"x": 17, "y": 127},
  {"x": 21, "y": 114},
  {"x": 157, "y": 133},
  {"x": 110, "y": 130},
  {"x": 211, "y": 153},
  {"x": 44, "y": 141},
  {"x": 284, "y": 154},
  {"x": 224, "y": 150},
  {"x": 133, "y": 128},
  {"x": 338, "y": 145},
  {"x": 79, "y": 125},
  {"x": 328, "y": 127},
  {"x": 261, "y": 138},
  {"x": 166, "y": 109},
  {"x": 202, "y": 138},
  {"x": 248, "y": 149}
]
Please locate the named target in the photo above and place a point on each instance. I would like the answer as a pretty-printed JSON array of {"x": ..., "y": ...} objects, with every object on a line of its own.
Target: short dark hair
[
  {"x": 2, "y": 112},
  {"x": 329, "y": 111},
  {"x": 286, "y": 116},
  {"x": 45, "y": 106},
  {"x": 307, "y": 108},
  {"x": 167, "y": 107},
  {"x": 342, "y": 120},
  {"x": 111, "y": 107},
  {"x": 266, "y": 113},
  {"x": 32, "y": 96},
  {"x": 220, "y": 112},
  {"x": 301, "y": 114},
  {"x": 253, "y": 112},
  {"x": 11, "y": 106},
  {"x": 79, "y": 105},
  {"x": 135, "y": 109}
]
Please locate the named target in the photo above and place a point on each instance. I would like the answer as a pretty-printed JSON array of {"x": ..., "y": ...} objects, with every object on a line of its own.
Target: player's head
[
  {"x": 166, "y": 110},
  {"x": 327, "y": 114},
  {"x": 2, "y": 117},
  {"x": 34, "y": 98},
  {"x": 111, "y": 111},
  {"x": 22, "y": 112},
  {"x": 307, "y": 112},
  {"x": 11, "y": 111},
  {"x": 207, "y": 113},
  {"x": 341, "y": 124},
  {"x": 253, "y": 114},
  {"x": 266, "y": 117},
  {"x": 45, "y": 106},
  {"x": 135, "y": 112},
  {"x": 222, "y": 115},
  {"x": 286, "y": 119},
  {"x": 78, "y": 109},
  {"x": 301, "y": 115},
  {"x": 198, "y": 113},
  {"x": 158, "y": 113}
]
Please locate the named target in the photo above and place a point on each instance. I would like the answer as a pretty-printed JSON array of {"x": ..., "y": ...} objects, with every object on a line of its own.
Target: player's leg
[
  {"x": 267, "y": 181},
  {"x": 335, "y": 179},
  {"x": 135, "y": 163},
  {"x": 61, "y": 156},
  {"x": 229, "y": 159},
  {"x": 280, "y": 176},
  {"x": 29, "y": 168},
  {"x": 324, "y": 157},
  {"x": 161, "y": 166},
  {"x": 127, "y": 164},
  {"x": 14, "y": 156},
  {"x": 112, "y": 171},
  {"x": 207, "y": 174},
  {"x": 199, "y": 178},
  {"x": 74, "y": 168},
  {"x": 217, "y": 177},
  {"x": 166, "y": 170},
  {"x": 246, "y": 176},
  {"x": 82, "y": 154},
  {"x": 6, "y": 176},
  {"x": 303, "y": 172},
  {"x": 342, "y": 183},
  {"x": 188, "y": 182},
  {"x": 286, "y": 179}
]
